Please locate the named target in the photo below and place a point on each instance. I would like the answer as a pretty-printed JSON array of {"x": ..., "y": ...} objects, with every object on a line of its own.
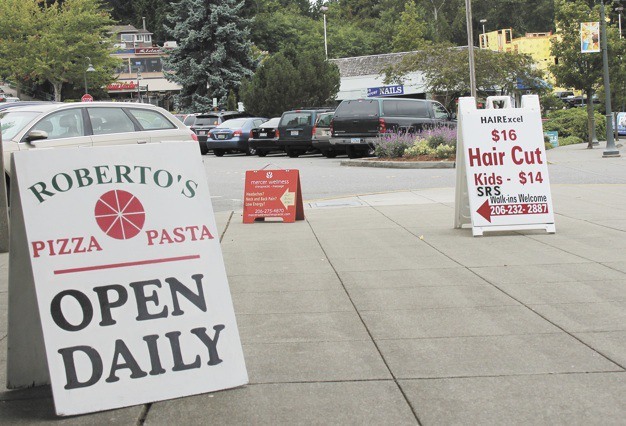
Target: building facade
[
  {"x": 140, "y": 77},
  {"x": 363, "y": 77}
]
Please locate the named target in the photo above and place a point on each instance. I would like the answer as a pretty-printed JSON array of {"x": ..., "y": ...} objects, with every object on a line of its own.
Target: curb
[{"x": 400, "y": 164}]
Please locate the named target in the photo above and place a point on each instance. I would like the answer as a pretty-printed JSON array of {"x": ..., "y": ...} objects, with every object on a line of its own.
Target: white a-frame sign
[
  {"x": 118, "y": 293},
  {"x": 502, "y": 181}
]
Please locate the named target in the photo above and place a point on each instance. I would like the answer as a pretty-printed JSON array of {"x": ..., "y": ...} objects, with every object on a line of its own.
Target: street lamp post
[
  {"x": 90, "y": 68},
  {"x": 619, "y": 15},
  {"x": 611, "y": 150},
  {"x": 482, "y": 21},
  {"x": 324, "y": 9},
  {"x": 138, "y": 82}
]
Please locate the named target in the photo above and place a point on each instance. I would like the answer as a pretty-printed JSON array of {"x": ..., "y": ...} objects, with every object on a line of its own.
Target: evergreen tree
[
  {"x": 291, "y": 80},
  {"x": 231, "y": 103},
  {"x": 272, "y": 89},
  {"x": 213, "y": 53}
]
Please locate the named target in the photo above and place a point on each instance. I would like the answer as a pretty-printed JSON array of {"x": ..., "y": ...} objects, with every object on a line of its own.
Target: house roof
[
  {"x": 367, "y": 65},
  {"x": 118, "y": 29}
]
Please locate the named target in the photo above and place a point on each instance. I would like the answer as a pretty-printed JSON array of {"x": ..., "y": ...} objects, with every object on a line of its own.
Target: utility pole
[
  {"x": 611, "y": 150},
  {"x": 470, "y": 47}
]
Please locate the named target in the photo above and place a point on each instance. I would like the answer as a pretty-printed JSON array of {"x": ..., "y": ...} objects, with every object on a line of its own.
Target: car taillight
[
  {"x": 237, "y": 133},
  {"x": 194, "y": 136},
  {"x": 332, "y": 124},
  {"x": 276, "y": 134},
  {"x": 382, "y": 128}
]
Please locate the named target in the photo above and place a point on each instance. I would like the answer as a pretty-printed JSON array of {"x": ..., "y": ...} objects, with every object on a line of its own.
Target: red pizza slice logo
[{"x": 120, "y": 214}]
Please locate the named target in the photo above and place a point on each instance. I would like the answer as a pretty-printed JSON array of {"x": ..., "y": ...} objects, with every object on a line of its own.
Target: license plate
[
  {"x": 221, "y": 136},
  {"x": 295, "y": 133},
  {"x": 262, "y": 135},
  {"x": 355, "y": 140},
  {"x": 201, "y": 132}
]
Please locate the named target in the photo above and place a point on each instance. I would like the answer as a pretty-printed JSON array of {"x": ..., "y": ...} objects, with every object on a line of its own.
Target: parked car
[
  {"x": 357, "y": 123},
  {"x": 579, "y": 101},
  {"x": 57, "y": 125},
  {"x": 203, "y": 123},
  {"x": 8, "y": 99},
  {"x": 321, "y": 136},
  {"x": 620, "y": 123},
  {"x": 189, "y": 120},
  {"x": 296, "y": 130},
  {"x": 7, "y": 105},
  {"x": 232, "y": 136},
  {"x": 264, "y": 138}
]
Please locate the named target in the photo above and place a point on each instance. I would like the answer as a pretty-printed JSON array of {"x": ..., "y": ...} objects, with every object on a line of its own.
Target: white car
[{"x": 87, "y": 124}]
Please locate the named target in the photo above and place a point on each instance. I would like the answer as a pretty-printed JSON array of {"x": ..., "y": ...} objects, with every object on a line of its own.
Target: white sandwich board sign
[
  {"x": 117, "y": 288},
  {"x": 502, "y": 172}
]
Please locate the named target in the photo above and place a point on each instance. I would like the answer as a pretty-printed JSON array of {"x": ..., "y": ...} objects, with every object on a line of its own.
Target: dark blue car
[{"x": 233, "y": 135}]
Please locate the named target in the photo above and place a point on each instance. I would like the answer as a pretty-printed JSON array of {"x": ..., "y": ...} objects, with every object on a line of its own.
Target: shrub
[
  {"x": 392, "y": 145},
  {"x": 573, "y": 122},
  {"x": 570, "y": 140},
  {"x": 441, "y": 135},
  {"x": 420, "y": 147},
  {"x": 445, "y": 151}
]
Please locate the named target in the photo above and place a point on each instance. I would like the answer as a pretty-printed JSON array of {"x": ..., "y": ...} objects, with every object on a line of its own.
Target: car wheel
[
  {"x": 250, "y": 151},
  {"x": 330, "y": 153},
  {"x": 203, "y": 149},
  {"x": 261, "y": 153},
  {"x": 218, "y": 152},
  {"x": 292, "y": 153}
]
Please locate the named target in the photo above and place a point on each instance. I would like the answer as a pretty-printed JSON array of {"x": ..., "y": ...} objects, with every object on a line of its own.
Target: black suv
[
  {"x": 206, "y": 121},
  {"x": 357, "y": 123},
  {"x": 296, "y": 130}
]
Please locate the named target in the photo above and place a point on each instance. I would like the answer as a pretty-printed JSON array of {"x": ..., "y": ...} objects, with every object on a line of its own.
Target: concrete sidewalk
[{"x": 374, "y": 310}]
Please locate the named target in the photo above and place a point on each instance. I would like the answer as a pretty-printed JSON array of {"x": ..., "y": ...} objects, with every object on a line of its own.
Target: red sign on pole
[
  {"x": 87, "y": 98},
  {"x": 272, "y": 193}
]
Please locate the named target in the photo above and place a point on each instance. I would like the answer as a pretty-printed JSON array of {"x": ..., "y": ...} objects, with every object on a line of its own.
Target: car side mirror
[{"x": 36, "y": 135}]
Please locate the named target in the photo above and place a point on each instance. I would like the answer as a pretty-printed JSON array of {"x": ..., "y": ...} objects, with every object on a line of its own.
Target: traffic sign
[
  {"x": 87, "y": 98},
  {"x": 502, "y": 170},
  {"x": 272, "y": 193}
]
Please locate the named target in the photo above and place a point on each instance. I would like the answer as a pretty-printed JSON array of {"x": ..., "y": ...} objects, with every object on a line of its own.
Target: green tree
[
  {"x": 581, "y": 71},
  {"x": 213, "y": 53},
  {"x": 291, "y": 80},
  {"x": 445, "y": 71},
  {"x": 272, "y": 89},
  {"x": 231, "y": 103},
  {"x": 411, "y": 29},
  {"x": 16, "y": 38},
  {"x": 65, "y": 35}
]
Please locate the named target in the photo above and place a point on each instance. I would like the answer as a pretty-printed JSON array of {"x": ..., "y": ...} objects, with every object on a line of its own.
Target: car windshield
[
  {"x": 12, "y": 122},
  {"x": 236, "y": 123}
]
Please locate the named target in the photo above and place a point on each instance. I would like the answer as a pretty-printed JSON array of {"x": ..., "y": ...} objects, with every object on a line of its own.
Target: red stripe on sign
[{"x": 126, "y": 264}]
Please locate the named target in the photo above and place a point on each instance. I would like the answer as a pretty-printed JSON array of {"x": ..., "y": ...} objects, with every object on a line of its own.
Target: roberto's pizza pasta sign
[{"x": 121, "y": 247}]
